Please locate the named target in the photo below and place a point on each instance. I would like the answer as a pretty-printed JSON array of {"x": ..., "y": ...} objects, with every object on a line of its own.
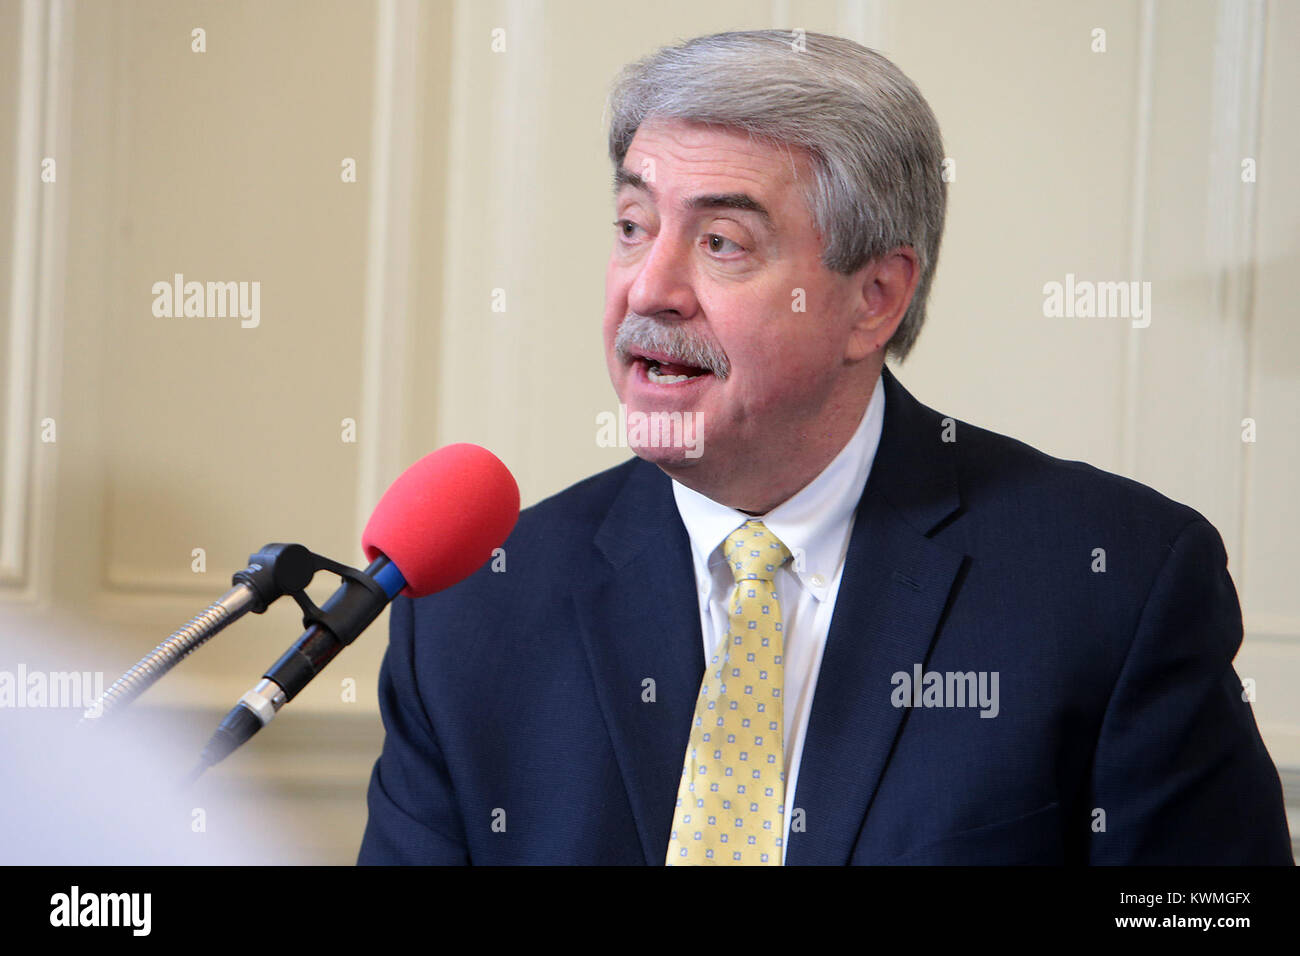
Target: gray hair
[{"x": 874, "y": 142}]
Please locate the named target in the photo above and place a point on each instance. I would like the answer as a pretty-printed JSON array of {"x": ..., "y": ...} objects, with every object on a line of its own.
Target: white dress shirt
[{"x": 815, "y": 526}]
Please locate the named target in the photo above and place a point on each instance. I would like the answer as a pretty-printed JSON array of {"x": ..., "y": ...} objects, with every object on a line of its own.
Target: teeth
[{"x": 655, "y": 376}]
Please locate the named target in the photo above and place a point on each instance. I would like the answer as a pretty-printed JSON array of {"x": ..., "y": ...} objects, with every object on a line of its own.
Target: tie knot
[{"x": 754, "y": 553}]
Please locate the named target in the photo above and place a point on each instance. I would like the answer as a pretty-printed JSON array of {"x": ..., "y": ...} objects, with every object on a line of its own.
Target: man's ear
[{"x": 886, "y": 286}]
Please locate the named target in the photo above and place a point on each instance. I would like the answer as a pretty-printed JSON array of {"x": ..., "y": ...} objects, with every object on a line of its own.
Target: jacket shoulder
[
  {"x": 1013, "y": 482},
  {"x": 1003, "y": 473}
]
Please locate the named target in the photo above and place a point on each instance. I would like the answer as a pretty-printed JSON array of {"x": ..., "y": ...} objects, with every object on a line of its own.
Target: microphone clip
[{"x": 279, "y": 569}]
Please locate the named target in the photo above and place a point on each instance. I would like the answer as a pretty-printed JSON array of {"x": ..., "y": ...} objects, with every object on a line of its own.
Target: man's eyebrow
[
  {"x": 741, "y": 201},
  {"x": 625, "y": 177}
]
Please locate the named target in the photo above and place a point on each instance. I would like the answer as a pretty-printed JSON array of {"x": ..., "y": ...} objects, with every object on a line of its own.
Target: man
[{"x": 814, "y": 621}]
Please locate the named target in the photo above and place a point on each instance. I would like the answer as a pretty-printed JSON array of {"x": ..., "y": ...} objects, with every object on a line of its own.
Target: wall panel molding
[
  {"x": 1230, "y": 233},
  {"x": 1129, "y": 424},
  {"x": 37, "y": 262},
  {"x": 395, "y": 162}
]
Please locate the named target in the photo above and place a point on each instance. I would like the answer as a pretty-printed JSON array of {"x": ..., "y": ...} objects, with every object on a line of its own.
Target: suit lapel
[
  {"x": 895, "y": 585},
  {"x": 640, "y": 621}
]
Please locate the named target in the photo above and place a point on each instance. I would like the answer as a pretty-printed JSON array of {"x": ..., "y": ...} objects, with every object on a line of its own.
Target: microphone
[{"x": 436, "y": 524}]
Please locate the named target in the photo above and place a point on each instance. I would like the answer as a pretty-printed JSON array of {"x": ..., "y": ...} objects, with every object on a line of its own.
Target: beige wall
[{"x": 482, "y": 170}]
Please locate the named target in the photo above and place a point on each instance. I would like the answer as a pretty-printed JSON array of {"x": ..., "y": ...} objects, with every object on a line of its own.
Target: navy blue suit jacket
[{"x": 520, "y": 729}]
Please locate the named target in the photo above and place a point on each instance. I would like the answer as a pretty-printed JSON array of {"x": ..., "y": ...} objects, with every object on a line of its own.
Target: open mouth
[{"x": 662, "y": 371}]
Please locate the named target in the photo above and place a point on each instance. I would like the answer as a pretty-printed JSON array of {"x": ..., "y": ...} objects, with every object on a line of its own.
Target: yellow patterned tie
[{"x": 731, "y": 801}]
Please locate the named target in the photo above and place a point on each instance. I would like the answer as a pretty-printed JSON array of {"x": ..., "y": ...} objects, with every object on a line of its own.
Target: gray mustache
[{"x": 648, "y": 334}]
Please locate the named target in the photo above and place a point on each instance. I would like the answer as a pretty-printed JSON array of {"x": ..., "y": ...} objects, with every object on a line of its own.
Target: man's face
[{"x": 715, "y": 249}]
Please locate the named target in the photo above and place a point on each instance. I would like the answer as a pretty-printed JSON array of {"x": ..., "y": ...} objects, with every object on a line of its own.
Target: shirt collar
[{"x": 814, "y": 522}]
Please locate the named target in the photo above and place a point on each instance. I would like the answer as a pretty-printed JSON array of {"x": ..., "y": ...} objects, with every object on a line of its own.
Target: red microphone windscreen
[{"x": 443, "y": 517}]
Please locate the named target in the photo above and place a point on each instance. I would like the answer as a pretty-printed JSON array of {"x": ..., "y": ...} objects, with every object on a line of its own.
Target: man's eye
[
  {"x": 721, "y": 244},
  {"x": 626, "y": 227}
]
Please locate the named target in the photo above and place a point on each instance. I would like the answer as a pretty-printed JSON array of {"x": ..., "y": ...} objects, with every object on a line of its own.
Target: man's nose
[{"x": 663, "y": 284}]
